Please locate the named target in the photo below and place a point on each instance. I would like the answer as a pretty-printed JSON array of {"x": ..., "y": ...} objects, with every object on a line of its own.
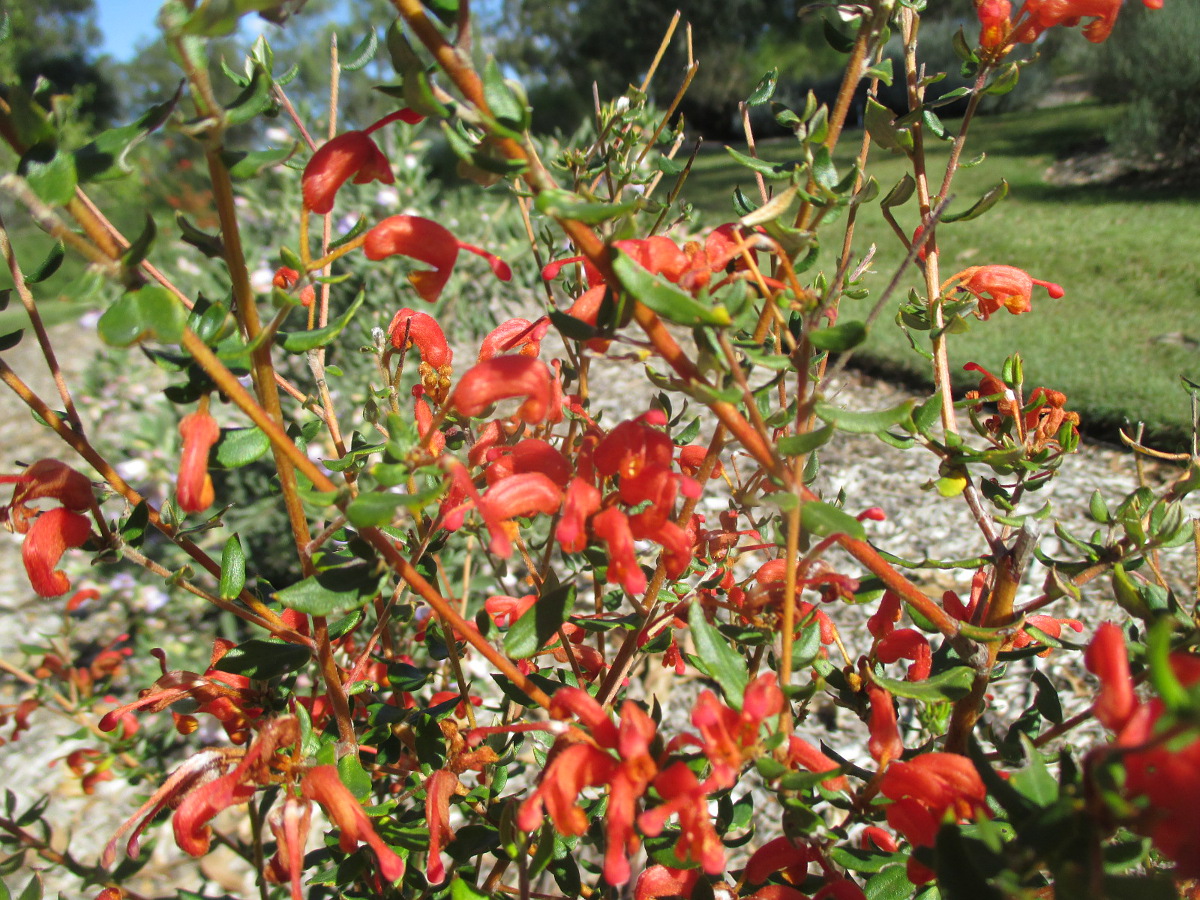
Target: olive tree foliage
[
  {"x": 562, "y": 47},
  {"x": 47, "y": 45}
]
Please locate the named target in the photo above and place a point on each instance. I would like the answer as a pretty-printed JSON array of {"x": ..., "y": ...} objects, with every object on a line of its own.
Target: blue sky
[{"x": 124, "y": 23}]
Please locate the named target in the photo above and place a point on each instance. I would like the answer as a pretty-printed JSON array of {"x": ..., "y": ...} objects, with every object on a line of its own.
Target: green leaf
[
  {"x": 140, "y": 248},
  {"x": 953, "y": 684},
  {"x": 344, "y": 587},
  {"x": 540, "y": 622},
  {"x": 565, "y": 205},
  {"x": 1004, "y": 81},
  {"x": 251, "y": 101},
  {"x": 777, "y": 171},
  {"x": 506, "y": 107},
  {"x": 243, "y": 165},
  {"x": 240, "y": 447},
  {"x": 263, "y": 660},
  {"x": 663, "y": 297},
  {"x": 149, "y": 313},
  {"x": 34, "y": 890},
  {"x": 764, "y": 90},
  {"x": 354, "y": 776},
  {"x": 375, "y": 508},
  {"x": 986, "y": 202},
  {"x": 216, "y": 18},
  {"x": 49, "y": 265},
  {"x": 717, "y": 659},
  {"x": 900, "y": 194},
  {"x": 890, "y": 883},
  {"x": 463, "y": 890},
  {"x": 839, "y": 338},
  {"x": 50, "y": 173},
  {"x": 233, "y": 569},
  {"x": 865, "y": 422},
  {"x": 361, "y": 54},
  {"x": 208, "y": 244},
  {"x": 881, "y": 125},
  {"x": 799, "y": 444},
  {"x": 107, "y": 156},
  {"x": 822, "y": 519},
  {"x": 303, "y": 341}
]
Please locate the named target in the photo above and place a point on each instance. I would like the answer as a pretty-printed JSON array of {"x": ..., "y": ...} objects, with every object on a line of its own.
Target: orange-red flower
[
  {"x": 323, "y": 785},
  {"x": 521, "y": 335},
  {"x": 425, "y": 241},
  {"x": 352, "y": 154},
  {"x": 48, "y": 539},
  {"x": 1039, "y": 15},
  {"x": 501, "y": 378},
  {"x": 45, "y": 479},
  {"x": 287, "y": 278},
  {"x": 997, "y": 286},
  {"x": 194, "y": 487},
  {"x": 926, "y": 790},
  {"x": 994, "y": 23},
  {"x": 614, "y": 755}
]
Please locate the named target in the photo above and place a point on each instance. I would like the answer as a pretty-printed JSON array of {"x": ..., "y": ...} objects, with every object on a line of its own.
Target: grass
[{"x": 1127, "y": 255}]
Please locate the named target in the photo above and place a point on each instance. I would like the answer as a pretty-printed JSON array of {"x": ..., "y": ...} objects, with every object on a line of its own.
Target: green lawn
[{"x": 1128, "y": 256}]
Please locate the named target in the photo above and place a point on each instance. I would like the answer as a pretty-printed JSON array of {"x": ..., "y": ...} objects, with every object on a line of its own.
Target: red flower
[
  {"x": 290, "y": 825},
  {"x": 52, "y": 533},
  {"x": 501, "y": 378},
  {"x": 885, "y": 744},
  {"x": 439, "y": 788},
  {"x": 515, "y": 497},
  {"x": 350, "y": 154},
  {"x": 660, "y": 881},
  {"x": 907, "y": 643},
  {"x": 323, "y": 785},
  {"x": 46, "y": 478},
  {"x": 804, "y": 755},
  {"x": 1107, "y": 659},
  {"x": 516, "y": 334},
  {"x": 1039, "y": 15},
  {"x": 587, "y": 761},
  {"x": 583, "y": 500},
  {"x": 683, "y": 795},
  {"x": 927, "y": 790},
  {"x": 286, "y": 278},
  {"x": 503, "y": 610},
  {"x": 612, "y": 527},
  {"x": 994, "y": 23},
  {"x": 410, "y": 328},
  {"x": 194, "y": 487},
  {"x": 997, "y": 286},
  {"x": 729, "y": 737},
  {"x": 430, "y": 243}
]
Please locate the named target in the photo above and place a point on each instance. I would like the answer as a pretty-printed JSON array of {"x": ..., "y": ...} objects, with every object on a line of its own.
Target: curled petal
[
  {"x": 516, "y": 334},
  {"x": 907, "y": 643},
  {"x": 48, "y": 539},
  {"x": 54, "y": 479},
  {"x": 501, "y": 378},
  {"x": 420, "y": 239},
  {"x": 350, "y": 154},
  {"x": 322, "y": 784},
  {"x": 409, "y": 327},
  {"x": 194, "y": 487}
]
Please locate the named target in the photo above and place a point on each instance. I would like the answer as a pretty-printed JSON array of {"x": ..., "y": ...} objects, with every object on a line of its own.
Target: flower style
[
  {"x": 579, "y": 760},
  {"x": 925, "y": 791},
  {"x": 352, "y": 154},
  {"x": 997, "y": 286},
  {"x": 425, "y": 241},
  {"x": 194, "y": 486},
  {"x": 501, "y": 378}
]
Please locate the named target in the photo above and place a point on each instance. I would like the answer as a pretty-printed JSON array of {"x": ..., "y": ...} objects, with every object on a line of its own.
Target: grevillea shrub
[{"x": 498, "y": 590}]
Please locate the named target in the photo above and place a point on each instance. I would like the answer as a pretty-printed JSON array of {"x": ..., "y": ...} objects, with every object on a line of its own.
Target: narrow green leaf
[
  {"x": 799, "y": 444},
  {"x": 303, "y": 341},
  {"x": 717, "y": 659},
  {"x": 823, "y": 519},
  {"x": 263, "y": 660},
  {"x": 245, "y": 165},
  {"x": 865, "y": 422},
  {"x": 252, "y": 101},
  {"x": 233, "y": 569},
  {"x": 506, "y": 106},
  {"x": 838, "y": 338},
  {"x": 565, "y": 205},
  {"x": 107, "y": 156},
  {"x": 764, "y": 90},
  {"x": 49, "y": 265},
  {"x": 362, "y": 54},
  {"x": 540, "y": 622},
  {"x": 344, "y": 587},
  {"x": 899, "y": 194},
  {"x": 140, "y": 248},
  {"x": 982, "y": 205},
  {"x": 953, "y": 684},
  {"x": 663, "y": 297},
  {"x": 776, "y": 171}
]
